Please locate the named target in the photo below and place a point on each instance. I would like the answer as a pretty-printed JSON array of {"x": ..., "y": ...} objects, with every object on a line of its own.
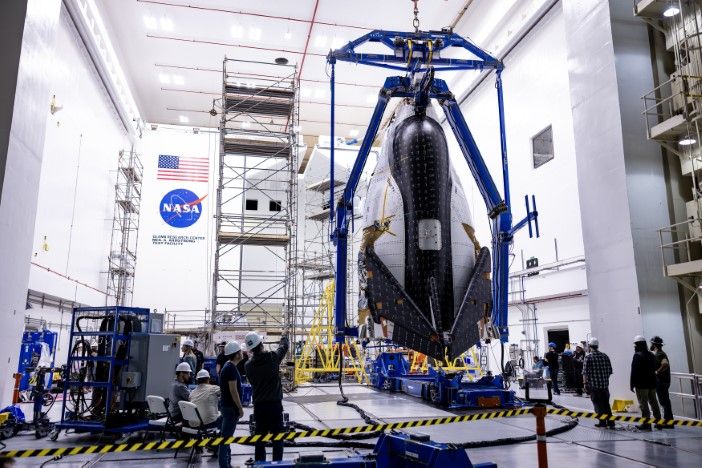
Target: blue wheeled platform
[
  {"x": 390, "y": 372},
  {"x": 394, "y": 450}
]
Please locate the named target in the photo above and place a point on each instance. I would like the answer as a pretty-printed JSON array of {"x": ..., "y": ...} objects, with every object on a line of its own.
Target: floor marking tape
[{"x": 215, "y": 441}]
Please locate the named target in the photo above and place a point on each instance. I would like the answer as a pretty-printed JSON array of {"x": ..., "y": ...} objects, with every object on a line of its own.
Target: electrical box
[
  {"x": 155, "y": 357},
  {"x": 156, "y": 323},
  {"x": 694, "y": 226}
]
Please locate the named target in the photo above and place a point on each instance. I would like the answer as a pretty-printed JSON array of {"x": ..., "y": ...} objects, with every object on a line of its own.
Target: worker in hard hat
[
  {"x": 230, "y": 389},
  {"x": 188, "y": 354},
  {"x": 206, "y": 397},
  {"x": 263, "y": 373},
  {"x": 221, "y": 358},
  {"x": 551, "y": 358},
  {"x": 179, "y": 390},
  {"x": 596, "y": 371},
  {"x": 643, "y": 382},
  {"x": 662, "y": 378},
  {"x": 578, "y": 358}
]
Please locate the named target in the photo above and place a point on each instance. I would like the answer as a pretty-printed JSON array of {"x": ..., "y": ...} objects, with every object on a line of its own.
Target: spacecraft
[{"x": 424, "y": 278}]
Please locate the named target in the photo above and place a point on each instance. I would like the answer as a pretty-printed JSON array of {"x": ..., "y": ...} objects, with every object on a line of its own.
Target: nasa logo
[{"x": 181, "y": 208}]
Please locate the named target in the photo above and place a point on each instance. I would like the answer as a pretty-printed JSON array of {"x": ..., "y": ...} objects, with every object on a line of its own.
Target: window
[
  {"x": 542, "y": 147},
  {"x": 251, "y": 204},
  {"x": 275, "y": 205}
]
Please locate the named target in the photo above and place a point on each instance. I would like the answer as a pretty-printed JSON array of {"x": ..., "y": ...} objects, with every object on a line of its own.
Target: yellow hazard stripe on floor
[
  {"x": 215, "y": 441},
  {"x": 628, "y": 419}
]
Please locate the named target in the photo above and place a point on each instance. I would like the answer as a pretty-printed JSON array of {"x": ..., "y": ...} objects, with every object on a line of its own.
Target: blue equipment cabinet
[
  {"x": 100, "y": 388},
  {"x": 30, "y": 351}
]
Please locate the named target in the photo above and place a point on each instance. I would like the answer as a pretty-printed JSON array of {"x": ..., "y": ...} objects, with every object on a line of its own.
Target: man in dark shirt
[
  {"x": 662, "y": 378},
  {"x": 263, "y": 374},
  {"x": 551, "y": 358},
  {"x": 578, "y": 358},
  {"x": 232, "y": 410},
  {"x": 199, "y": 358},
  {"x": 221, "y": 358},
  {"x": 643, "y": 382}
]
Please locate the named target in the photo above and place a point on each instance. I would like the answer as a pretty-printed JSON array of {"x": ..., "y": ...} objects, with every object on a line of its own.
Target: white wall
[
  {"x": 76, "y": 192},
  {"x": 536, "y": 93},
  {"x": 175, "y": 277}
]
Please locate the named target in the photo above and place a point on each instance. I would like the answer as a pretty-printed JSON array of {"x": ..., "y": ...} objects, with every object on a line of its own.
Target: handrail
[{"x": 696, "y": 395}]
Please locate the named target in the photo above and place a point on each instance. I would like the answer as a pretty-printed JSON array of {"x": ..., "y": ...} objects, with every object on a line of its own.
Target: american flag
[{"x": 180, "y": 168}]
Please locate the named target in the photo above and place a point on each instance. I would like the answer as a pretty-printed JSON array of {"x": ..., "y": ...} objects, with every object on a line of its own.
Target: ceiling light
[
  {"x": 166, "y": 24},
  {"x": 671, "y": 11},
  {"x": 164, "y": 79},
  {"x": 353, "y": 133},
  {"x": 320, "y": 42},
  {"x": 245, "y": 124},
  {"x": 288, "y": 36},
  {"x": 281, "y": 61},
  {"x": 178, "y": 80},
  {"x": 320, "y": 93},
  {"x": 183, "y": 119},
  {"x": 687, "y": 141},
  {"x": 150, "y": 22},
  {"x": 306, "y": 92},
  {"x": 237, "y": 31},
  {"x": 255, "y": 34}
]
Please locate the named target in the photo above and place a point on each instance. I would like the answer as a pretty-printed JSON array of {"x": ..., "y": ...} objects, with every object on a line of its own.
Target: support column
[
  {"x": 621, "y": 183},
  {"x": 28, "y": 28}
]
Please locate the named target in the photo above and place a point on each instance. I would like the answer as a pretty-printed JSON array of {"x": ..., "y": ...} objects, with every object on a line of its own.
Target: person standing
[
  {"x": 596, "y": 371},
  {"x": 643, "y": 382},
  {"x": 578, "y": 357},
  {"x": 263, "y": 373},
  {"x": 221, "y": 358},
  {"x": 199, "y": 357},
  {"x": 551, "y": 358},
  {"x": 662, "y": 379},
  {"x": 188, "y": 354},
  {"x": 179, "y": 391},
  {"x": 232, "y": 409}
]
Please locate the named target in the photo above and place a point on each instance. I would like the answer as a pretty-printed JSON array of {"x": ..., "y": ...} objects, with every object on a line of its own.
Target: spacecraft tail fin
[{"x": 477, "y": 304}]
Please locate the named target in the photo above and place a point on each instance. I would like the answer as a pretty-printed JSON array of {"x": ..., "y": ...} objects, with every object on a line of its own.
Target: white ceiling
[{"x": 184, "y": 42}]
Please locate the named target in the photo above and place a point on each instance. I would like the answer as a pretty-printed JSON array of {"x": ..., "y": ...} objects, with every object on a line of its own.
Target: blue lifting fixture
[{"x": 419, "y": 54}]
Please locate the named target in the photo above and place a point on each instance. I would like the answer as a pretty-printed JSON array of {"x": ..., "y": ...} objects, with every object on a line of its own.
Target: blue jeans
[{"x": 230, "y": 416}]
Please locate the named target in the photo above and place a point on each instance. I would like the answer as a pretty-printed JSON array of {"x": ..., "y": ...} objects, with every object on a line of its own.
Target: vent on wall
[{"x": 542, "y": 147}]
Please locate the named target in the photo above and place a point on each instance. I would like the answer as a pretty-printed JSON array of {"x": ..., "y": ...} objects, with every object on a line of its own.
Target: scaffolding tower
[
  {"x": 254, "y": 284},
  {"x": 125, "y": 229}
]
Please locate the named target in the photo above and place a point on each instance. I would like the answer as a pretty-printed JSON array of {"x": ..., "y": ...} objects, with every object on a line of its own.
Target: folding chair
[
  {"x": 163, "y": 422},
  {"x": 196, "y": 425}
]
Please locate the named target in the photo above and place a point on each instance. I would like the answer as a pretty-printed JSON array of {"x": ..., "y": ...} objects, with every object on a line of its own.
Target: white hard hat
[
  {"x": 593, "y": 341},
  {"x": 183, "y": 367},
  {"x": 639, "y": 338},
  {"x": 188, "y": 342},
  {"x": 231, "y": 348},
  {"x": 253, "y": 339},
  {"x": 202, "y": 374}
]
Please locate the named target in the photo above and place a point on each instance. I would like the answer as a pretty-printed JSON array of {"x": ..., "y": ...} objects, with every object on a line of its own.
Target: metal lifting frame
[{"x": 420, "y": 53}]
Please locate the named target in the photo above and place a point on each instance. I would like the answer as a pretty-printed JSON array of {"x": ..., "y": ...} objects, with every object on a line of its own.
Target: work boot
[
  {"x": 601, "y": 424},
  {"x": 643, "y": 427}
]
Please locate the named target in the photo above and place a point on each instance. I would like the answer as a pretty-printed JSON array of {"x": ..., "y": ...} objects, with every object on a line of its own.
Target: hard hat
[
  {"x": 639, "y": 339},
  {"x": 252, "y": 340},
  {"x": 93, "y": 344},
  {"x": 188, "y": 342},
  {"x": 552, "y": 345},
  {"x": 593, "y": 341},
  {"x": 202, "y": 374},
  {"x": 232, "y": 347},
  {"x": 184, "y": 367},
  {"x": 657, "y": 340}
]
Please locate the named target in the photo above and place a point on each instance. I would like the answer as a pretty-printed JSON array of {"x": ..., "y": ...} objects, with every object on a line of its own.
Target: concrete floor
[{"x": 316, "y": 406}]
